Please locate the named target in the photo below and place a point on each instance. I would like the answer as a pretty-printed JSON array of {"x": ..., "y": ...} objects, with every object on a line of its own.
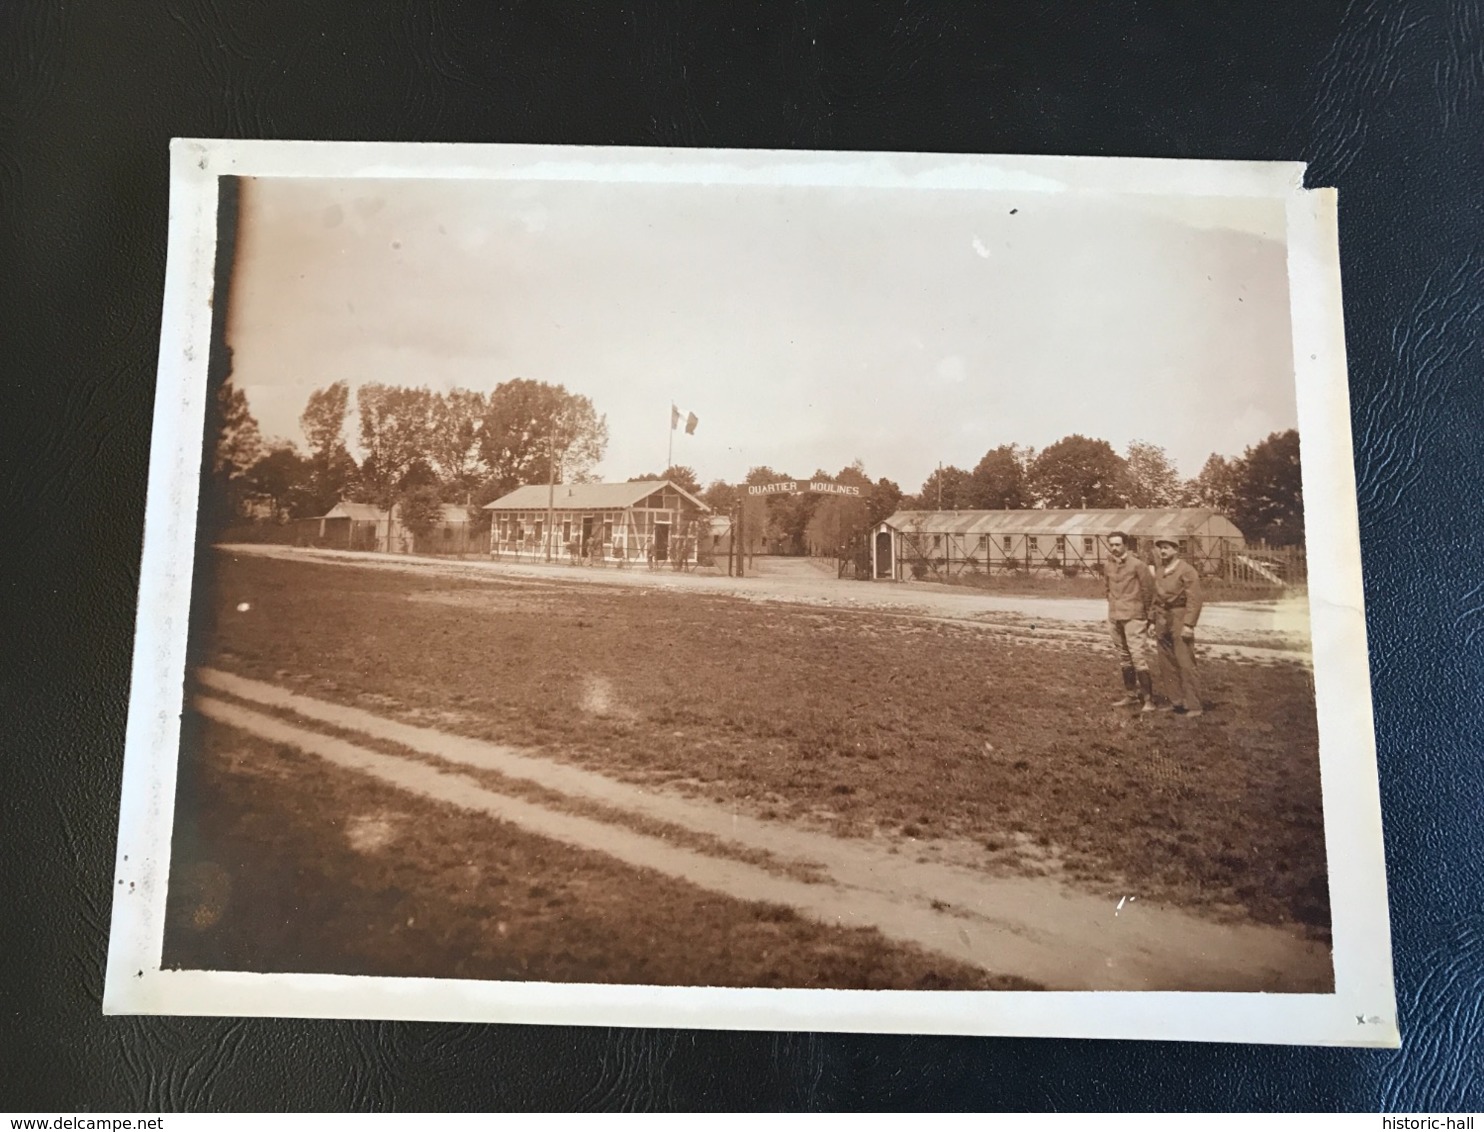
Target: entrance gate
[{"x": 736, "y": 552}]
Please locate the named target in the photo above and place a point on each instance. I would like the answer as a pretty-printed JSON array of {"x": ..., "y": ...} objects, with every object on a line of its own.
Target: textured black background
[{"x": 1382, "y": 99}]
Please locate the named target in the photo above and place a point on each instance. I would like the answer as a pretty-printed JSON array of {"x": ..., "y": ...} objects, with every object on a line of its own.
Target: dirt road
[
  {"x": 1038, "y": 928},
  {"x": 1274, "y": 632}
]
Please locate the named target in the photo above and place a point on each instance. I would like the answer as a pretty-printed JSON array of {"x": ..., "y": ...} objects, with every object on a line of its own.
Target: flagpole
[{"x": 670, "y": 456}]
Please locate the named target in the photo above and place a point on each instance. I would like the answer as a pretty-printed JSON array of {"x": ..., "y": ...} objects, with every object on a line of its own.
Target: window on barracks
[
  {"x": 1032, "y": 543},
  {"x": 1087, "y": 545}
]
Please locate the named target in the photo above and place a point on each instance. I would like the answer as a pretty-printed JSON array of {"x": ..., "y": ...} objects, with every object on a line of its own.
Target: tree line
[
  {"x": 1261, "y": 490},
  {"x": 802, "y": 523},
  {"x": 421, "y": 449}
]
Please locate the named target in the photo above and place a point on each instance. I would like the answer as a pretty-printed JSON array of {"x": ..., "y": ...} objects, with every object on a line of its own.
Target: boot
[
  {"x": 1146, "y": 689},
  {"x": 1130, "y": 687}
]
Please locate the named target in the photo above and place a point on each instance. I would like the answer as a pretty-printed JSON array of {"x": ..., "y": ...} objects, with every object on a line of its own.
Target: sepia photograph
[{"x": 644, "y": 585}]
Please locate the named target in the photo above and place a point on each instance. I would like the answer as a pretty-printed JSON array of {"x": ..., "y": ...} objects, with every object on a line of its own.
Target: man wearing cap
[
  {"x": 1177, "y": 607},
  {"x": 1130, "y": 587}
]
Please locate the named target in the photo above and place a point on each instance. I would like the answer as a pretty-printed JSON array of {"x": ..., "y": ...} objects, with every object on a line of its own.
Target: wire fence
[{"x": 921, "y": 557}]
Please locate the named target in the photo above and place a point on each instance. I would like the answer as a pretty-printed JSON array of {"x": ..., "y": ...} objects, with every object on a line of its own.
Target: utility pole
[
  {"x": 940, "y": 485},
  {"x": 550, "y": 485},
  {"x": 739, "y": 537}
]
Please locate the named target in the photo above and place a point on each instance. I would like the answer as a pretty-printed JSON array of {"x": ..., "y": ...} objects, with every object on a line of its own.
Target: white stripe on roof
[
  {"x": 1136, "y": 522},
  {"x": 585, "y": 496}
]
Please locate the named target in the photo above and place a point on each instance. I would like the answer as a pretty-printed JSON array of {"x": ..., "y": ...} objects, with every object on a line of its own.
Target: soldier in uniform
[
  {"x": 1130, "y": 587},
  {"x": 1177, "y": 607}
]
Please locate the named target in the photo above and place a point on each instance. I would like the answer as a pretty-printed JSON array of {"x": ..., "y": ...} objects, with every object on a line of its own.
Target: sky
[{"x": 805, "y": 327}]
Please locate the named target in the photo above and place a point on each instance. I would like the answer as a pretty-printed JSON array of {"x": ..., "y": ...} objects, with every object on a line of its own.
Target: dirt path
[
  {"x": 1266, "y": 632},
  {"x": 1037, "y": 928}
]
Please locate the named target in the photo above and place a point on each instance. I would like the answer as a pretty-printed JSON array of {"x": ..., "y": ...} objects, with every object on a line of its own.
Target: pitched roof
[
  {"x": 1145, "y": 522},
  {"x": 369, "y": 512},
  {"x": 359, "y": 512},
  {"x": 586, "y": 496},
  {"x": 453, "y": 513}
]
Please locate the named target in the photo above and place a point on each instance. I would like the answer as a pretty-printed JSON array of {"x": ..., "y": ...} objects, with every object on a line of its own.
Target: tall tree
[
  {"x": 331, "y": 467},
  {"x": 720, "y": 496},
  {"x": 1149, "y": 479},
  {"x": 947, "y": 489},
  {"x": 239, "y": 443},
  {"x": 883, "y": 500},
  {"x": 323, "y": 419},
  {"x": 332, "y": 478},
  {"x": 1270, "y": 491},
  {"x": 396, "y": 430},
  {"x": 678, "y": 474},
  {"x": 762, "y": 518},
  {"x": 237, "y": 446},
  {"x": 1216, "y": 485},
  {"x": 997, "y": 482},
  {"x": 853, "y": 475},
  {"x": 453, "y": 448},
  {"x": 839, "y": 521},
  {"x": 280, "y": 479},
  {"x": 1077, "y": 472},
  {"x": 420, "y": 509},
  {"x": 528, "y": 423}
]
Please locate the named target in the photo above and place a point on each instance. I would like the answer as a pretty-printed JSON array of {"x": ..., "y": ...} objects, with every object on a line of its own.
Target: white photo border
[{"x": 1360, "y": 1012}]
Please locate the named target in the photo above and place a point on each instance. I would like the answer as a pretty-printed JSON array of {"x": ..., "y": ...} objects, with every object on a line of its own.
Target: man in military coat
[
  {"x": 1130, "y": 588},
  {"x": 1177, "y": 607}
]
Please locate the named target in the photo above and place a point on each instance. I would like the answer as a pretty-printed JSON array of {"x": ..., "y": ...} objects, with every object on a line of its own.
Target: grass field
[
  {"x": 864, "y": 725},
  {"x": 285, "y": 864},
  {"x": 919, "y": 732}
]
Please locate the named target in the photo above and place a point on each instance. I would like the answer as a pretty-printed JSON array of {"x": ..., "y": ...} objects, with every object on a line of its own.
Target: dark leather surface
[{"x": 1386, "y": 101}]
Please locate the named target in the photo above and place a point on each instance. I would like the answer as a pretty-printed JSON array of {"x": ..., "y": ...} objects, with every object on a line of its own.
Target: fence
[
  {"x": 924, "y": 556},
  {"x": 1263, "y": 565},
  {"x": 339, "y": 534},
  {"x": 261, "y": 532},
  {"x": 683, "y": 553},
  {"x": 454, "y": 539},
  {"x": 853, "y": 559}
]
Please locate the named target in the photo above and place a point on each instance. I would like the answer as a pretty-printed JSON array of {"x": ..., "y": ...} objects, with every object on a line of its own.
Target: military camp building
[
  {"x": 941, "y": 544},
  {"x": 645, "y": 520},
  {"x": 364, "y": 526}
]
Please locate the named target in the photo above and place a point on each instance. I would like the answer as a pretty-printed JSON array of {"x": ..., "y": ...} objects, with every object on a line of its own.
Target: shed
[
  {"x": 364, "y": 526},
  {"x": 654, "y": 520},
  {"x": 942, "y": 544}
]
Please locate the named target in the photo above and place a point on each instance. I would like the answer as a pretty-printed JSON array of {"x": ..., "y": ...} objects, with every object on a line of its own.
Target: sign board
[{"x": 796, "y": 487}]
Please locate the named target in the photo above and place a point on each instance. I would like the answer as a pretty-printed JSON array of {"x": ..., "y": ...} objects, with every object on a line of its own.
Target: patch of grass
[
  {"x": 272, "y": 869},
  {"x": 928, "y": 724}
]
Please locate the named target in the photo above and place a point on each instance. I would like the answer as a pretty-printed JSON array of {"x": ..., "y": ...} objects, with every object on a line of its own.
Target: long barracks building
[{"x": 943, "y": 544}]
